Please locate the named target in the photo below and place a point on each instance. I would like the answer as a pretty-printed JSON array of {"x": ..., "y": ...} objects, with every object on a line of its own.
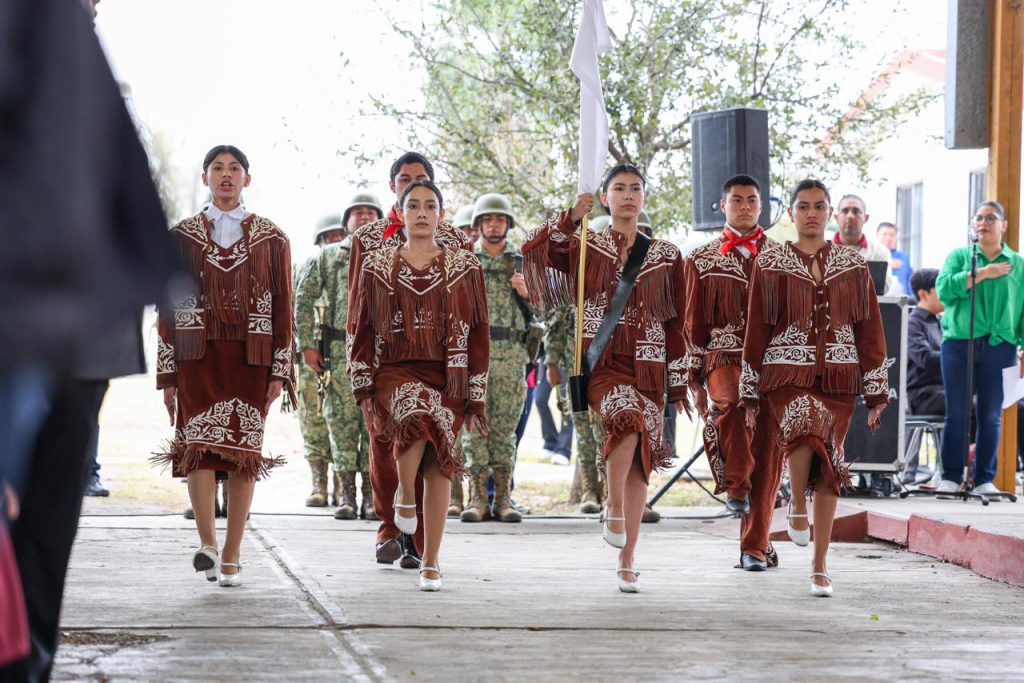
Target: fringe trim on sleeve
[{"x": 548, "y": 286}]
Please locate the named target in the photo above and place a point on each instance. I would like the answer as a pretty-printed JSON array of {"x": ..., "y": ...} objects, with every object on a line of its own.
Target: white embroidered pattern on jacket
[
  {"x": 841, "y": 259},
  {"x": 653, "y": 347},
  {"x": 844, "y": 351},
  {"x": 165, "y": 363},
  {"x": 194, "y": 228},
  {"x": 458, "y": 263},
  {"x": 659, "y": 255},
  {"x": 727, "y": 338},
  {"x": 876, "y": 382},
  {"x": 214, "y": 426},
  {"x": 227, "y": 262},
  {"x": 677, "y": 372},
  {"x": 188, "y": 315},
  {"x": 282, "y": 364},
  {"x": 361, "y": 377},
  {"x": 593, "y": 313},
  {"x": 790, "y": 347},
  {"x": 478, "y": 387},
  {"x": 421, "y": 282},
  {"x": 261, "y": 321},
  {"x": 797, "y": 419},
  {"x": 711, "y": 262},
  {"x": 783, "y": 260},
  {"x": 750, "y": 379},
  {"x": 415, "y": 398},
  {"x": 458, "y": 356}
]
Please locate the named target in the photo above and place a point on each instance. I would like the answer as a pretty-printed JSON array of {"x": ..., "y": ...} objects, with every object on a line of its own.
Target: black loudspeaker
[{"x": 725, "y": 143}]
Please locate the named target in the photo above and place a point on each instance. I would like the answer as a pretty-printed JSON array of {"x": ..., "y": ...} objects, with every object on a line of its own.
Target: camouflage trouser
[
  {"x": 349, "y": 442},
  {"x": 589, "y": 439},
  {"x": 506, "y": 392},
  {"x": 313, "y": 426}
]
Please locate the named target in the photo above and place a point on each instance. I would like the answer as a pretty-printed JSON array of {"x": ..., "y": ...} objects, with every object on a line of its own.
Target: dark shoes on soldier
[
  {"x": 389, "y": 551},
  {"x": 751, "y": 563},
  {"x": 410, "y": 558},
  {"x": 96, "y": 489},
  {"x": 738, "y": 506},
  {"x": 650, "y": 515}
]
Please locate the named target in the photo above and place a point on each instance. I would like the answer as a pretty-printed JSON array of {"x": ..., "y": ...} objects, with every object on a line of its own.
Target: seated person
[{"x": 924, "y": 341}]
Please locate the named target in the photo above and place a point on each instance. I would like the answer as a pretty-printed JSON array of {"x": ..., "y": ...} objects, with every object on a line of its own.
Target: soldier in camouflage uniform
[
  {"x": 463, "y": 221},
  {"x": 496, "y": 452},
  {"x": 326, "y": 282},
  {"x": 312, "y": 424}
]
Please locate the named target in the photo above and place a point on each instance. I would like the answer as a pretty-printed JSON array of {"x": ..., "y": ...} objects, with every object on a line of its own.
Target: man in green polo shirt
[{"x": 998, "y": 332}]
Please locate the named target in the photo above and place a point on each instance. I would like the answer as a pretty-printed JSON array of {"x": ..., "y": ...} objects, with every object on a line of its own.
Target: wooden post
[{"x": 1006, "y": 97}]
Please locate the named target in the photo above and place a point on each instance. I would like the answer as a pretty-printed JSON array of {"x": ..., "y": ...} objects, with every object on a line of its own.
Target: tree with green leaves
[{"x": 500, "y": 109}]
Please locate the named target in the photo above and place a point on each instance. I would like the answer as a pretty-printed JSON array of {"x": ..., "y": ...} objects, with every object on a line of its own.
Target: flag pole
[{"x": 580, "y": 294}]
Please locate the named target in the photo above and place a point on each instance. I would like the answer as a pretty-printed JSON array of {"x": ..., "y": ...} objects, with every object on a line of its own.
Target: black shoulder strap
[
  {"x": 520, "y": 302},
  {"x": 618, "y": 303}
]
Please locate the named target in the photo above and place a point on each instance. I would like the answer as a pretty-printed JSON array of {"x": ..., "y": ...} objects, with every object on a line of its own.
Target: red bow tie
[{"x": 731, "y": 240}]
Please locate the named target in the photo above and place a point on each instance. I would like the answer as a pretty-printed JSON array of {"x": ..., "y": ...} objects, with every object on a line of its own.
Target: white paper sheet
[{"x": 1013, "y": 386}]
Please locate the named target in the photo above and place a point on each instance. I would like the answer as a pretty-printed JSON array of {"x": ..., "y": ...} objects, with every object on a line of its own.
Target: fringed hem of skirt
[
  {"x": 631, "y": 422},
  {"x": 185, "y": 459},
  {"x": 422, "y": 426},
  {"x": 825, "y": 467}
]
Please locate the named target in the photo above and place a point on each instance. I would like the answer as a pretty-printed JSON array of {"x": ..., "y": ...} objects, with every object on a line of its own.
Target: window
[
  {"x": 975, "y": 191},
  {"x": 909, "y": 220}
]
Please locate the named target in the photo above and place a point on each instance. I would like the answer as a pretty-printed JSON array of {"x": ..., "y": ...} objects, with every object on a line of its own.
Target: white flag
[{"x": 592, "y": 39}]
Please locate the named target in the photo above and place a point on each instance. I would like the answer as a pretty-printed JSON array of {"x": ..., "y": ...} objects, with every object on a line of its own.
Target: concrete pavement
[{"x": 535, "y": 601}]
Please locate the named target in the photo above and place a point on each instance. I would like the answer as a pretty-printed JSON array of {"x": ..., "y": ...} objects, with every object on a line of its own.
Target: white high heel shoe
[
  {"x": 407, "y": 525},
  {"x": 430, "y": 585},
  {"x": 799, "y": 536},
  {"x": 627, "y": 586},
  {"x": 610, "y": 537},
  {"x": 206, "y": 560},
  {"x": 820, "y": 591},
  {"x": 230, "y": 580}
]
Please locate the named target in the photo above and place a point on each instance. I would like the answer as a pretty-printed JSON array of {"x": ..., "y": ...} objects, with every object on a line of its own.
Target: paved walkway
[{"x": 532, "y": 602}]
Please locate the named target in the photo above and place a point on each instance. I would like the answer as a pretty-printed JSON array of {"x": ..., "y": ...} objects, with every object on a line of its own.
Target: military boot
[
  {"x": 318, "y": 498},
  {"x": 477, "y": 510},
  {"x": 503, "y": 509},
  {"x": 336, "y": 493},
  {"x": 366, "y": 510},
  {"x": 590, "y": 489},
  {"x": 347, "y": 504},
  {"x": 456, "y": 506}
]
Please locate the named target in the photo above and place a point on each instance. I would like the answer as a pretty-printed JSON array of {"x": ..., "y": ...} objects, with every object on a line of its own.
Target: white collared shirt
[
  {"x": 227, "y": 225},
  {"x": 739, "y": 247}
]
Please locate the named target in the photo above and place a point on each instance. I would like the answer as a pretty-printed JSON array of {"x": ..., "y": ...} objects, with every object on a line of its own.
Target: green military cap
[
  {"x": 325, "y": 225},
  {"x": 493, "y": 203},
  {"x": 362, "y": 199},
  {"x": 463, "y": 217}
]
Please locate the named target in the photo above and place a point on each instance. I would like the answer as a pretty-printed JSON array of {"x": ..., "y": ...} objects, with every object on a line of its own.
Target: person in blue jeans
[
  {"x": 998, "y": 332},
  {"x": 557, "y": 440}
]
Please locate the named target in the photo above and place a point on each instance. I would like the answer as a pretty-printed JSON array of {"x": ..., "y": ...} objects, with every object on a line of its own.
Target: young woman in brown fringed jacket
[
  {"x": 224, "y": 354},
  {"x": 644, "y": 361},
  {"x": 419, "y": 362},
  {"x": 814, "y": 343}
]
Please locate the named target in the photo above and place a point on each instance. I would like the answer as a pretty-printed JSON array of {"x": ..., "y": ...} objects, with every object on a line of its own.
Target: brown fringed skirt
[
  {"x": 807, "y": 416},
  {"x": 624, "y": 410},
  {"x": 411, "y": 404},
  {"x": 220, "y": 420}
]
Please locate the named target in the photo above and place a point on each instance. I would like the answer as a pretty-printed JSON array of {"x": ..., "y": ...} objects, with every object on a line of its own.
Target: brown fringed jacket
[
  {"x": 370, "y": 238},
  {"x": 651, "y": 328},
  {"x": 440, "y": 313},
  {"x": 799, "y": 331},
  {"x": 717, "y": 287},
  {"x": 239, "y": 293}
]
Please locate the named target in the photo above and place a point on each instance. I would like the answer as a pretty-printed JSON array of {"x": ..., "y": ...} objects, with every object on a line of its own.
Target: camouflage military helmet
[
  {"x": 362, "y": 199},
  {"x": 494, "y": 203},
  {"x": 463, "y": 217},
  {"x": 325, "y": 225},
  {"x": 644, "y": 221},
  {"x": 599, "y": 223}
]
